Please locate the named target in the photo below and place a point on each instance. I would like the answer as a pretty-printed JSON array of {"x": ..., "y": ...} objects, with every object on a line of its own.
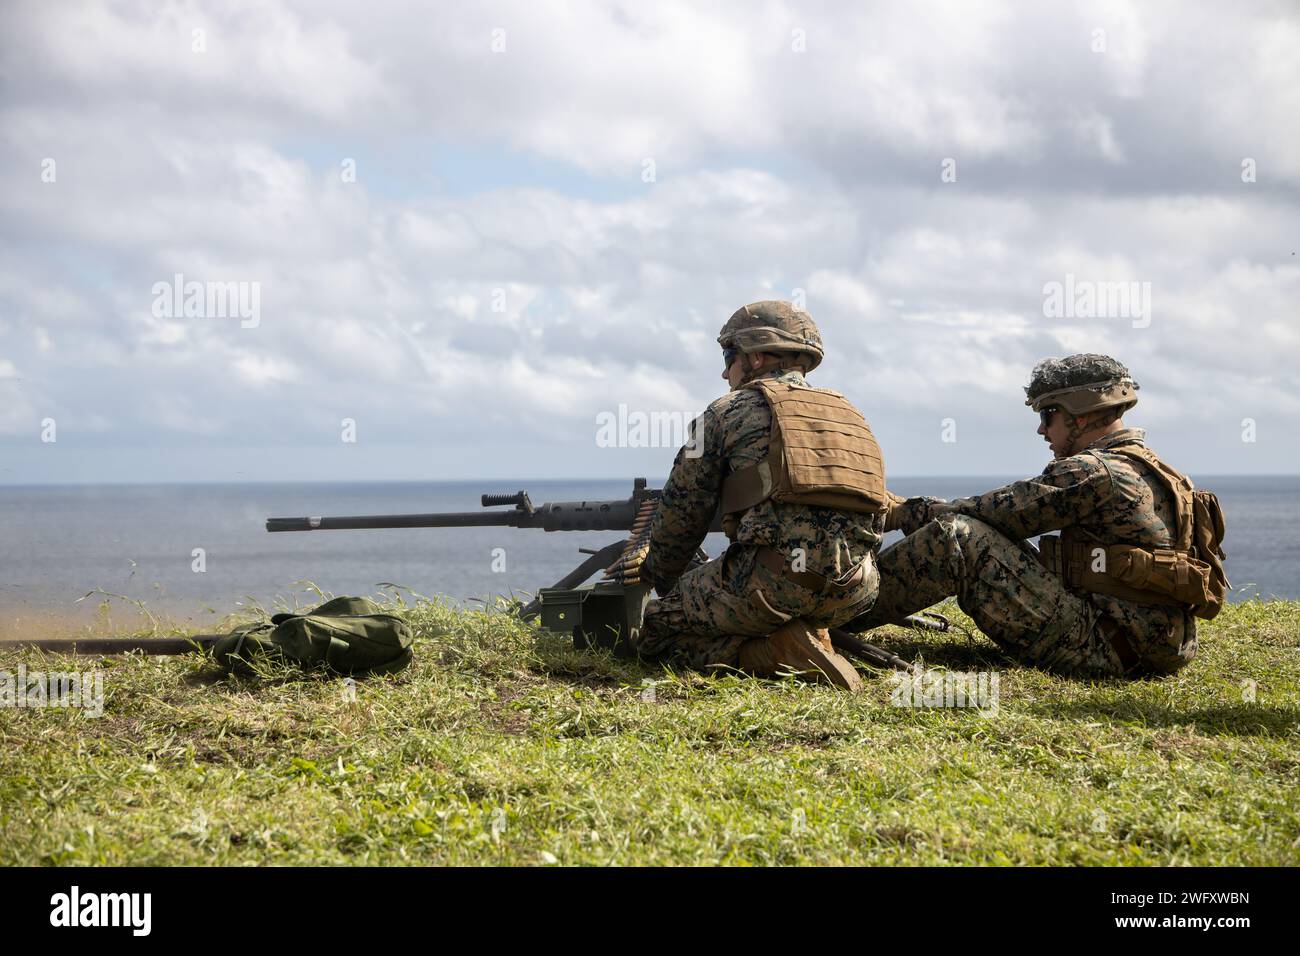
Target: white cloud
[
  {"x": 775, "y": 170},
  {"x": 261, "y": 371},
  {"x": 1097, "y": 131}
]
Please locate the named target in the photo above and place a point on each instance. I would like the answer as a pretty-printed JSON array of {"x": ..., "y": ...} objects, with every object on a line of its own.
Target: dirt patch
[{"x": 500, "y": 715}]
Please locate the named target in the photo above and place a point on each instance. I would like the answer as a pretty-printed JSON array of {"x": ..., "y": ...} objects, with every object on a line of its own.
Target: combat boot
[{"x": 798, "y": 646}]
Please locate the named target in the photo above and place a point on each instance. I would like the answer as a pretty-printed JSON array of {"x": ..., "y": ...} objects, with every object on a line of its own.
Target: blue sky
[{"x": 502, "y": 269}]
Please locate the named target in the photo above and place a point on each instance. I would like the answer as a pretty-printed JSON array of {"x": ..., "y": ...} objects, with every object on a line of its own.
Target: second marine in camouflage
[
  {"x": 1117, "y": 593},
  {"x": 798, "y": 475}
]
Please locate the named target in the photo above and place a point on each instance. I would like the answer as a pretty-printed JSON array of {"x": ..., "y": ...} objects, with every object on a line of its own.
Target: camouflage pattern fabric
[
  {"x": 774, "y": 326},
  {"x": 705, "y": 614},
  {"x": 975, "y": 549},
  {"x": 1085, "y": 370},
  {"x": 716, "y": 607}
]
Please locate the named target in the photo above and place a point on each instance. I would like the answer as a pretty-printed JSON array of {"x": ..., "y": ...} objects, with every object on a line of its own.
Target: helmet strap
[
  {"x": 770, "y": 361},
  {"x": 1078, "y": 426},
  {"x": 1081, "y": 425}
]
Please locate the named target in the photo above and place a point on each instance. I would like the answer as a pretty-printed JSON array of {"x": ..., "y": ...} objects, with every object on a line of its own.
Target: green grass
[{"x": 503, "y": 745}]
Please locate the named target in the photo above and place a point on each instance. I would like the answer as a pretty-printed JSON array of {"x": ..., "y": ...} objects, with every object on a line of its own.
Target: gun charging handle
[{"x": 519, "y": 499}]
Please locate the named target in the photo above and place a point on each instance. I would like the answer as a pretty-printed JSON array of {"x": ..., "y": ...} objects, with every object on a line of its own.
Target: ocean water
[{"x": 60, "y": 543}]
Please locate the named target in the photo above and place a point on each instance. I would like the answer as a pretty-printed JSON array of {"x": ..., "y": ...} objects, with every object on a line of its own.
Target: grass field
[{"x": 503, "y": 745}]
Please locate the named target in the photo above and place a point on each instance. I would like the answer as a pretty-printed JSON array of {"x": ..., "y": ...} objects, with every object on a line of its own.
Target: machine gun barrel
[
  {"x": 552, "y": 516},
  {"x": 462, "y": 519}
]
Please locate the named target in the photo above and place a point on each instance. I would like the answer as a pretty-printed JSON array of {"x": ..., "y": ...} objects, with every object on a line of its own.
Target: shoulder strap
[
  {"x": 1178, "y": 485},
  {"x": 743, "y": 489}
]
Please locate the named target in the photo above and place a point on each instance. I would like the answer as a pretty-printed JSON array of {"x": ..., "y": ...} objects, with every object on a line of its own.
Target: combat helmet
[
  {"x": 773, "y": 326},
  {"x": 1080, "y": 384}
]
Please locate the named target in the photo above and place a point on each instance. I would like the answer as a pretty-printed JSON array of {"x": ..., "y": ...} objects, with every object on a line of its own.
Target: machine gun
[{"x": 607, "y": 613}]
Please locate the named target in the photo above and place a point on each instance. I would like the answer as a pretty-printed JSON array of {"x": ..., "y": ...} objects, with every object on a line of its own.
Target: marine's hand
[
  {"x": 649, "y": 575},
  {"x": 908, "y": 515},
  {"x": 893, "y": 514}
]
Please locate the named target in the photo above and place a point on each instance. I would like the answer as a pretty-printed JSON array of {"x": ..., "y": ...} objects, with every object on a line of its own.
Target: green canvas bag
[{"x": 348, "y": 635}]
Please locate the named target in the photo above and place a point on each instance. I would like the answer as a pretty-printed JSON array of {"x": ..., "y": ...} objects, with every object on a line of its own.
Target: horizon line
[{"x": 571, "y": 480}]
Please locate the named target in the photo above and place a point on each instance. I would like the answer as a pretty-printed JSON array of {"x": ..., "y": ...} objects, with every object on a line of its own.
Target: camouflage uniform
[
  {"x": 975, "y": 548},
  {"x": 707, "y": 612}
]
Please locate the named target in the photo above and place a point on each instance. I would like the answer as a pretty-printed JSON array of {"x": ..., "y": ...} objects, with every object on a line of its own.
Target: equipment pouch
[
  {"x": 347, "y": 635},
  {"x": 1162, "y": 570}
]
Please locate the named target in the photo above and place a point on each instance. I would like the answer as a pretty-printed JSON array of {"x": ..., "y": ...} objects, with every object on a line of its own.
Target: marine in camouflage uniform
[
  {"x": 976, "y": 548},
  {"x": 707, "y": 615}
]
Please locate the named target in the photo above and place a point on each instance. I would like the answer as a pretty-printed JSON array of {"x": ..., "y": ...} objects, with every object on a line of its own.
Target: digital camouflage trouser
[
  {"x": 1000, "y": 583},
  {"x": 717, "y": 606}
]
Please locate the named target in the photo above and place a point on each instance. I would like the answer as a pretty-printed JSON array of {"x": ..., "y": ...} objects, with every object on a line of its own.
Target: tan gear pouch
[{"x": 1162, "y": 570}]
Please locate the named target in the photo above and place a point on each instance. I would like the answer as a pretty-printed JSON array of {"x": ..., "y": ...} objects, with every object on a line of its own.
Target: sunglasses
[
  {"x": 729, "y": 356},
  {"x": 1045, "y": 416}
]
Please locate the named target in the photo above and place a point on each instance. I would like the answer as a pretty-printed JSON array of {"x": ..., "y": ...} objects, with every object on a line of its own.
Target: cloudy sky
[{"x": 473, "y": 228}]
